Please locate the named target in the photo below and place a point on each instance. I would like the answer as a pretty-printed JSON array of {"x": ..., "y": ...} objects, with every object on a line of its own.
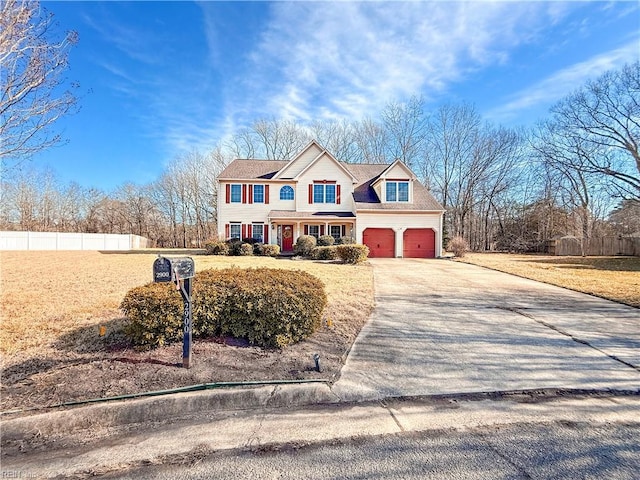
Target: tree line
[{"x": 577, "y": 172}]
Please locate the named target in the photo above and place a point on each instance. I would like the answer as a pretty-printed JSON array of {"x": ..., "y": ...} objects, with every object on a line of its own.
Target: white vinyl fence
[{"x": 70, "y": 241}]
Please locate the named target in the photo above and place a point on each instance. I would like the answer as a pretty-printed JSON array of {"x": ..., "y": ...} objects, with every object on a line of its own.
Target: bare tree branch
[{"x": 32, "y": 63}]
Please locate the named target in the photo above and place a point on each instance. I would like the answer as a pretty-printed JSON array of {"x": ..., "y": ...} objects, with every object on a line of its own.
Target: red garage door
[
  {"x": 381, "y": 242},
  {"x": 419, "y": 243}
]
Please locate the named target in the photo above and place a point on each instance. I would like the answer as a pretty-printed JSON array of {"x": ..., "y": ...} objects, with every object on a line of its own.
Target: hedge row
[
  {"x": 244, "y": 247},
  {"x": 268, "y": 307},
  {"x": 348, "y": 253}
]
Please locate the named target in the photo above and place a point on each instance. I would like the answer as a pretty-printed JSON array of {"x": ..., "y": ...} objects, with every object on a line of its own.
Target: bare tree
[
  {"x": 566, "y": 155},
  {"x": 372, "y": 138},
  {"x": 605, "y": 116},
  {"x": 406, "y": 126},
  {"x": 339, "y": 138},
  {"x": 33, "y": 61}
]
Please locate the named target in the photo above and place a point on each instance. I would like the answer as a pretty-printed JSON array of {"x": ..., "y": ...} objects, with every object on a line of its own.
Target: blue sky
[{"x": 161, "y": 78}]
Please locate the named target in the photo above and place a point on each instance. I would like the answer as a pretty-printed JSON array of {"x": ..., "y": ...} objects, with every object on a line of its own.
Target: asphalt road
[
  {"x": 549, "y": 451},
  {"x": 442, "y": 327},
  {"x": 483, "y": 436}
]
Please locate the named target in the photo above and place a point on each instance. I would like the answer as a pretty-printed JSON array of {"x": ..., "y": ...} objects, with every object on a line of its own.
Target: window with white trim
[
  {"x": 236, "y": 193},
  {"x": 397, "y": 192},
  {"x": 234, "y": 230},
  {"x": 324, "y": 193},
  {"x": 257, "y": 231},
  {"x": 314, "y": 230},
  {"x": 286, "y": 193},
  {"x": 258, "y": 194},
  {"x": 335, "y": 231}
]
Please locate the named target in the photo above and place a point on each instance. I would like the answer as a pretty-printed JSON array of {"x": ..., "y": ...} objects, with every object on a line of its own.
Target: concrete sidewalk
[
  {"x": 442, "y": 327},
  {"x": 182, "y": 442}
]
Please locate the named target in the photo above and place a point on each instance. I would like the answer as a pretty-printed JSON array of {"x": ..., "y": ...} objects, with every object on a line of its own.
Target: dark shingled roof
[
  {"x": 292, "y": 214},
  {"x": 366, "y": 199},
  {"x": 364, "y": 196},
  {"x": 243, "y": 169}
]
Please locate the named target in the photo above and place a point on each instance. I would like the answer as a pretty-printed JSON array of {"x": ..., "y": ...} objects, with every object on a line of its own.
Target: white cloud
[
  {"x": 563, "y": 82},
  {"x": 347, "y": 59}
]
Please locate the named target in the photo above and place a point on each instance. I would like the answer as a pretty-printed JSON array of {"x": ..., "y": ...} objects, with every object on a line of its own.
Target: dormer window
[{"x": 397, "y": 191}]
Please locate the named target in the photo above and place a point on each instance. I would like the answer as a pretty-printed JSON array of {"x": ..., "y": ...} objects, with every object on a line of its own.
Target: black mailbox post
[{"x": 179, "y": 270}]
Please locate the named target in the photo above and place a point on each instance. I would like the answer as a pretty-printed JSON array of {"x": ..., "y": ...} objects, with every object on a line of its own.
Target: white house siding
[
  {"x": 399, "y": 222},
  {"x": 301, "y": 162},
  {"x": 325, "y": 169},
  {"x": 247, "y": 213}
]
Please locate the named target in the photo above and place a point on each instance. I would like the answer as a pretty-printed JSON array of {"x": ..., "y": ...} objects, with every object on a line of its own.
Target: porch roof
[{"x": 292, "y": 215}]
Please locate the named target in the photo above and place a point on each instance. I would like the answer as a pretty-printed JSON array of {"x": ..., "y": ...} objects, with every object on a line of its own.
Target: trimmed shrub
[
  {"x": 325, "y": 253},
  {"x": 458, "y": 246},
  {"x": 271, "y": 250},
  {"x": 346, "y": 241},
  {"x": 353, "y": 253},
  {"x": 216, "y": 247},
  {"x": 155, "y": 315},
  {"x": 234, "y": 246},
  {"x": 251, "y": 240},
  {"x": 268, "y": 307},
  {"x": 246, "y": 249},
  {"x": 326, "y": 241},
  {"x": 304, "y": 245},
  {"x": 271, "y": 307},
  {"x": 258, "y": 248}
]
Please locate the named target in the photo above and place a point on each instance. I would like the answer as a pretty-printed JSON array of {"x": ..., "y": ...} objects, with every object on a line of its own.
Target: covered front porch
[{"x": 287, "y": 226}]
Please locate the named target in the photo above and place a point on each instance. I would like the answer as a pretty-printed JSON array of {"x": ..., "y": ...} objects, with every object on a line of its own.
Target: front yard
[
  {"x": 615, "y": 278},
  {"x": 54, "y": 303}
]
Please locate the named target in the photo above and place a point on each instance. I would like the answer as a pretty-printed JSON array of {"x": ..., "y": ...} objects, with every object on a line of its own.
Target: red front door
[{"x": 287, "y": 238}]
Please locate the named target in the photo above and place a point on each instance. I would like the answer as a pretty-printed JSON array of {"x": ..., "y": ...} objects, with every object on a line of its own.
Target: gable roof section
[
  {"x": 321, "y": 153},
  {"x": 332, "y": 158},
  {"x": 387, "y": 170},
  {"x": 245, "y": 169},
  {"x": 297, "y": 158},
  {"x": 365, "y": 197}
]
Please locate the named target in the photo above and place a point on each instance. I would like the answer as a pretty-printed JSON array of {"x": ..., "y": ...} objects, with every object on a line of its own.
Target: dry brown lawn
[
  {"x": 615, "y": 278},
  {"x": 53, "y": 304}
]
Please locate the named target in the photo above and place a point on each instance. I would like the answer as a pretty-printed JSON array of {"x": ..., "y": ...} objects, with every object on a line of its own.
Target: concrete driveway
[{"x": 442, "y": 327}]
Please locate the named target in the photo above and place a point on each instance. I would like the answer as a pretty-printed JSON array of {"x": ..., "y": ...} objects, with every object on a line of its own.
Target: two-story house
[{"x": 382, "y": 206}]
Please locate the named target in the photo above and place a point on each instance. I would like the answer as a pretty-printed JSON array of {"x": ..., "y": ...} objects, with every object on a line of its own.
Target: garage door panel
[
  {"x": 419, "y": 243},
  {"x": 381, "y": 242}
]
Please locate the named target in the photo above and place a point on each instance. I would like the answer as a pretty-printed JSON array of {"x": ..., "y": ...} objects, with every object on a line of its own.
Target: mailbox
[
  {"x": 179, "y": 270},
  {"x": 167, "y": 269}
]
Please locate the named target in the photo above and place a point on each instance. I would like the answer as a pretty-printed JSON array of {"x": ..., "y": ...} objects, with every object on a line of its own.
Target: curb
[{"x": 158, "y": 409}]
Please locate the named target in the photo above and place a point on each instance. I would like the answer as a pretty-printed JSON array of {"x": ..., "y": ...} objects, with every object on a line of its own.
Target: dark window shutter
[
  {"x": 310, "y": 194},
  {"x": 227, "y": 229},
  {"x": 244, "y": 231},
  {"x": 321, "y": 230},
  {"x": 250, "y": 193},
  {"x": 344, "y": 230},
  {"x": 228, "y": 193},
  {"x": 266, "y": 234},
  {"x": 266, "y": 198},
  {"x": 338, "y": 194},
  {"x": 306, "y": 229},
  {"x": 244, "y": 193}
]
